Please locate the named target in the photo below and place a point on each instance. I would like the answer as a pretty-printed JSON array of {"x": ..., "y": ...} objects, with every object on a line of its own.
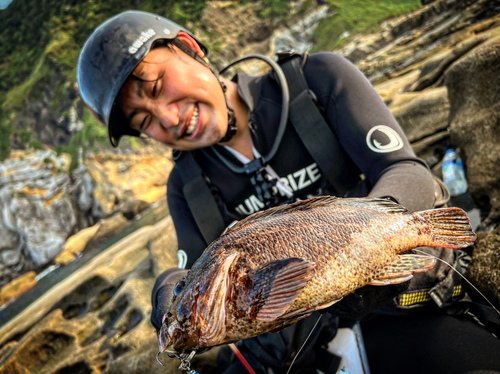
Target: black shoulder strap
[
  {"x": 313, "y": 130},
  {"x": 200, "y": 199}
]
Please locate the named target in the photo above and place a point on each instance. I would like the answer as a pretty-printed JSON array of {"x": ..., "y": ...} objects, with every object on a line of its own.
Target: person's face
[{"x": 176, "y": 100}]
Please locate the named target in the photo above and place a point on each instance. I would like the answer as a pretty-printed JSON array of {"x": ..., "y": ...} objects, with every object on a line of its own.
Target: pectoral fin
[
  {"x": 276, "y": 285},
  {"x": 402, "y": 269}
]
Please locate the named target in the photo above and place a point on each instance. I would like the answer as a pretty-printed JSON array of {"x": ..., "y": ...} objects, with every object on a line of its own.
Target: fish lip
[{"x": 164, "y": 339}]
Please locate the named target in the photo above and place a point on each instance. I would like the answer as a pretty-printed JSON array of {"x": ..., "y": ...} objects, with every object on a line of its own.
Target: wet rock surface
[
  {"x": 484, "y": 269},
  {"x": 474, "y": 91},
  {"x": 437, "y": 70},
  {"x": 42, "y": 204},
  {"x": 97, "y": 316}
]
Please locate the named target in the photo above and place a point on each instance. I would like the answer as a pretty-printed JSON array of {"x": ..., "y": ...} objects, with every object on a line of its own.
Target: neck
[{"x": 242, "y": 140}]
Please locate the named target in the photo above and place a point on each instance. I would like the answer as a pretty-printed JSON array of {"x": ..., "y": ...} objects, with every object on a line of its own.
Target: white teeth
[{"x": 193, "y": 122}]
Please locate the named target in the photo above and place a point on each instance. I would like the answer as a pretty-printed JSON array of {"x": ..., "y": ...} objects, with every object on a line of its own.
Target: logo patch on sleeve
[
  {"x": 383, "y": 139},
  {"x": 182, "y": 259}
]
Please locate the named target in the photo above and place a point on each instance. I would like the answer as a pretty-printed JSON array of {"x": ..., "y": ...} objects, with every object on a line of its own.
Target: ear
[{"x": 191, "y": 43}]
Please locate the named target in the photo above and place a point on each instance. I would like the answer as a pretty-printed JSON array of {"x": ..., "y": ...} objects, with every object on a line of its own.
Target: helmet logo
[
  {"x": 383, "y": 139},
  {"x": 139, "y": 42}
]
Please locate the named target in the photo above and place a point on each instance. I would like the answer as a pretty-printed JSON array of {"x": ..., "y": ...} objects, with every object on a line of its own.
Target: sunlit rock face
[
  {"x": 41, "y": 206},
  {"x": 122, "y": 178}
]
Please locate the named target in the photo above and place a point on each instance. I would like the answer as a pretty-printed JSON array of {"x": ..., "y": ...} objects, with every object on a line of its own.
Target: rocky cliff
[{"x": 437, "y": 69}]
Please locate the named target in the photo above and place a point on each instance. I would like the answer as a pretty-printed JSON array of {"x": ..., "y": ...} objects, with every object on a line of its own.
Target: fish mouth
[{"x": 164, "y": 338}]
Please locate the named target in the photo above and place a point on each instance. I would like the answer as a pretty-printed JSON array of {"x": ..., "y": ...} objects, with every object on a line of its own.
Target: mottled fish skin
[{"x": 328, "y": 248}]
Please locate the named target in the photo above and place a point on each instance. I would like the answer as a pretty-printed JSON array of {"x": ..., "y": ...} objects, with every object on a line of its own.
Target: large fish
[{"x": 277, "y": 266}]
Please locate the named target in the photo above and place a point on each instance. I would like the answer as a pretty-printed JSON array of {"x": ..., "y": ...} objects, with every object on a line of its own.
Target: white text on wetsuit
[{"x": 295, "y": 181}]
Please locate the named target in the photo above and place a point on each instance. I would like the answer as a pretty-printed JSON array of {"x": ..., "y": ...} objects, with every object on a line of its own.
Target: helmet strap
[{"x": 231, "y": 118}]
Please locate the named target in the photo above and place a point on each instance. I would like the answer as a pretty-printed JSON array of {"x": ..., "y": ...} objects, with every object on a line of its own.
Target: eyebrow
[{"x": 140, "y": 85}]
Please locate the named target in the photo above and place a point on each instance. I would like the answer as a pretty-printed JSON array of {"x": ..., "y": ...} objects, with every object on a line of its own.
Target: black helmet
[{"x": 111, "y": 53}]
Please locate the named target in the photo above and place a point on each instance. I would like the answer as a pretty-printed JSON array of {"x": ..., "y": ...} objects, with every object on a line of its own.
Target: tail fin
[{"x": 450, "y": 228}]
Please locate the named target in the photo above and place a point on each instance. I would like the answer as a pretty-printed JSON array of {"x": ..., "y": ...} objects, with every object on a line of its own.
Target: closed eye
[
  {"x": 154, "y": 88},
  {"x": 157, "y": 86},
  {"x": 145, "y": 123}
]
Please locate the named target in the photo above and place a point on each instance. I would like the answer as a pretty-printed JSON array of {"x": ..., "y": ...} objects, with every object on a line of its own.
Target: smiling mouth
[{"x": 193, "y": 122}]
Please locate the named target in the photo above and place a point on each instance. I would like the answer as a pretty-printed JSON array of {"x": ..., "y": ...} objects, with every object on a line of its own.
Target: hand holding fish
[{"x": 278, "y": 266}]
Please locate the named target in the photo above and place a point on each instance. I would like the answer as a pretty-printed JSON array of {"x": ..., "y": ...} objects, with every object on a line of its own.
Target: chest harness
[{"x": 314, "y": 132}]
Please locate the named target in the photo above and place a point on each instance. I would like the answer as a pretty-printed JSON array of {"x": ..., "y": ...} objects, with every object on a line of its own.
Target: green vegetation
[
  {"x": 5, "y": 130},
  {"x": 17, "y": 97},
  {"x": 36, "y": 144},
  {"x": 39, "y": 46},
  {"x": 40, "y": 42},
  {"x": 354, "y": 17},
  {"x": 275, "y": 8},
  {"x": 25, "y": 136}
]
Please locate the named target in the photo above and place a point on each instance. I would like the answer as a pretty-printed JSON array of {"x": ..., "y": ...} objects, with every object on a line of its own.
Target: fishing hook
[
  {"x": 158, "y": 358},
  {"x": 183, "y": 357}
]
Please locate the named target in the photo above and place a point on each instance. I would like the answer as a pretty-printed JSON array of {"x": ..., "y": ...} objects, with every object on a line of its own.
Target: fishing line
[
  {"x": 303, "y": 344},
  {"x": 451, "y": 266}
]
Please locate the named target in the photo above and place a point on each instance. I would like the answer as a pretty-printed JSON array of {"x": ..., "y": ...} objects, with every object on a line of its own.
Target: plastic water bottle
[{"x": 454, "y": 173}]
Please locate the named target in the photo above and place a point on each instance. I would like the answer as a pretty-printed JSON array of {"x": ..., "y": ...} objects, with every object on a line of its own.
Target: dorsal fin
[
  {"x": 380, "y": 205},
  {"x": 281, "y": 209}
]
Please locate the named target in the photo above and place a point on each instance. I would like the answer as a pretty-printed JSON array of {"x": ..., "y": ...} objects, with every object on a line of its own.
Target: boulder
[
  {"x": 484, "y": 269},
  {"x": 75, "y": 245},
  {"x": 123, "y": 177},
  {"x": 421, "y": 114},
  {"x": 41, "y": 205},
  {"x": 474, "y": 93}
]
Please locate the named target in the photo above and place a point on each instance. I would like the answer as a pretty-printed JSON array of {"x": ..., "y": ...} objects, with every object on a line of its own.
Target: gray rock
[
  {"x": 484, "y": 270},
  {"x": 299, "y": 36},
  {"x": 41, "y": 207},
  {"x": 474, "y": 92},
  {"x": 422, "y": 115}
]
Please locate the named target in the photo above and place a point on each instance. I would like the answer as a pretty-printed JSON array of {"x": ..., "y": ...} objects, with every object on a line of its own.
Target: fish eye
[{"x": 179, "y": 286}]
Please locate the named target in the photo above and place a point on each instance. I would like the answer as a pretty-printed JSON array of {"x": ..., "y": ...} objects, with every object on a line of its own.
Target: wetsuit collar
[{"x": 249, "y": 89}]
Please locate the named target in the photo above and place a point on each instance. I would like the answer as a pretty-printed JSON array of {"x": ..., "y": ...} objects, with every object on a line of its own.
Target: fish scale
[{"x": 278, "y": 266}]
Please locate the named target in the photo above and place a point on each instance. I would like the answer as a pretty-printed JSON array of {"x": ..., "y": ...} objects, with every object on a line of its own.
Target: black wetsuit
[{"x": 374, "y": 143}]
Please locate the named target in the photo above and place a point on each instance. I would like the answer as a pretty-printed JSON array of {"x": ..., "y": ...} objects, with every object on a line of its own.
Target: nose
[{"x": 167, "y": 114}]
